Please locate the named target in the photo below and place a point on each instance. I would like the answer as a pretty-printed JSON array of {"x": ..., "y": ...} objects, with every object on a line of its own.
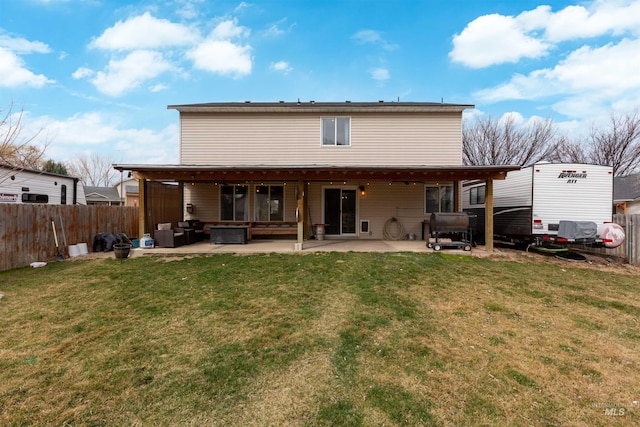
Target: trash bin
[{"x": 320, "y": 231}]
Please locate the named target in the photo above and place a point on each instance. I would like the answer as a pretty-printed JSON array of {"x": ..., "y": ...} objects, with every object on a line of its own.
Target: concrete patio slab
[{"x": 309, "y": 246}]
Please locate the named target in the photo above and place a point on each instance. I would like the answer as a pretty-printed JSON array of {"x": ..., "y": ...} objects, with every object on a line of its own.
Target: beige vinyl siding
[
  {"x": 380, "y": 203},
  {"x": 294, "y": 139}
]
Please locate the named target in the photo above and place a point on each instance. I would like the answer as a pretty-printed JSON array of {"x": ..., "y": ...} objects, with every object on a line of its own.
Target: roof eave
[{"x": 323, "y": 107}]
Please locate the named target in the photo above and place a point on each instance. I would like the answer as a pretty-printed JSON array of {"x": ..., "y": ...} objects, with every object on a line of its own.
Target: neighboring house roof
[
  {"x": 626, "y": 188},
  {"x": 131, "y": 189},
  {"x": 102, "y": 194}
]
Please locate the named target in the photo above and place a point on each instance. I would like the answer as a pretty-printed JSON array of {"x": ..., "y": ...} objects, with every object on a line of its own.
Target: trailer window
[
  {"x": 63, "y": 194},
  {"x": 476, "y": 195},
  {"x": 34, "y": 198}
]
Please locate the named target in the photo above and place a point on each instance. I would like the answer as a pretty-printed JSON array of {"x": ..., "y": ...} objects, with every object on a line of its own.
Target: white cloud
[
  {"x": 281, "y": 66},
  {"x": 610, "y": 70},
  {"x": 380, "y": 74},
  {"x": 274, "y": 30},
  {"x": 188, "y": 9},
  {"x": 367, "y": 36},
  {"x": 144, "y": 32},
  {"x": 13, "y": 72},
  {"x": 242, "y": 6},
  {"x": 23, "y": 46},
  {"x": 158, "y": 88},
  {"x": 372, "y": 37},
  {"x": 130, "y": 72},
  {"x": 228, "y": 29},
  {"x": 82, "y": 72},
  {"x": 100, "y": 133},
  {"x": 494, "y": 39},
  {"x": 218, "y": 54},
  {"x": 587, "y": 78},
  {"x": 222, "y": 57},
  {"x": 604, "y": 17}
]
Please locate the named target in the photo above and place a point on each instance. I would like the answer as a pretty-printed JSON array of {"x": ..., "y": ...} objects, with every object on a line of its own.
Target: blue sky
[{"x": 97, "y": 75}]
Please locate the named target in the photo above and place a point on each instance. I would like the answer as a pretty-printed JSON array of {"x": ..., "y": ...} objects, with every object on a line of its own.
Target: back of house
[{"x": 551, "y": 201}]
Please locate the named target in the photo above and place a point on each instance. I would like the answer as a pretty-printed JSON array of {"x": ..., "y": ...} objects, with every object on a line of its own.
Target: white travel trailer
[
  {"x": 549, "y": 202},
  {"x": 19, "y": 185}
]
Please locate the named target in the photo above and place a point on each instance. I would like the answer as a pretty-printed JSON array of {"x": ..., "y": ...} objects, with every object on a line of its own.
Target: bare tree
[
  {"x": 616, "y": 145},
  {"x": 487, "y": 141},
  {"x": 95, "y": 170},
  {"x": 16, "y": 149}
]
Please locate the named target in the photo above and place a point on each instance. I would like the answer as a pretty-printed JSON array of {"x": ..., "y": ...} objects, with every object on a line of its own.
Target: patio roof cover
[{"x": 243, "y": 173}]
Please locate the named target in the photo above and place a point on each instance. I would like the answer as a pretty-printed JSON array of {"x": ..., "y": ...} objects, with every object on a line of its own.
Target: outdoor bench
[{"x": 260, "y": 228}]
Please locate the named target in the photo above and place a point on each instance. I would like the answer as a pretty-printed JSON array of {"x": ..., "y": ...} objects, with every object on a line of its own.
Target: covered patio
[{"x": 302, "y": 176}]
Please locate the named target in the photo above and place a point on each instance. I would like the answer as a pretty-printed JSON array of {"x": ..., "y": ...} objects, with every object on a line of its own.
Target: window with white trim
[
  {"x": 234, "y": 203},
  {"x": 438, "y": 198},
  {"x": 336, "y": 131}
]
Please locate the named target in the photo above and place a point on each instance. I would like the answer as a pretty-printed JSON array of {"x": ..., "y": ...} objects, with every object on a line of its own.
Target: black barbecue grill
[{"x": 451, "y": 230}]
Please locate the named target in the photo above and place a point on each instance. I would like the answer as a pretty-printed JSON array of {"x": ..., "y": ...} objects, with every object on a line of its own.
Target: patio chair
[
  {"x": 190, "y": 235},
  {"x": 168, "y": 237}
]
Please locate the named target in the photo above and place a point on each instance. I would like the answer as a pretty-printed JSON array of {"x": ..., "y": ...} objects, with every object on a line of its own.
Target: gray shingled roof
[{"x": 101, "y": 194}]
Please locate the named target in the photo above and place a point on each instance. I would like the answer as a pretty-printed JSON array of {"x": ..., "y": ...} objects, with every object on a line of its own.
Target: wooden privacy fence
[
  {"x": 630, "y": 249},
  {"x": 26, "y": 231}
]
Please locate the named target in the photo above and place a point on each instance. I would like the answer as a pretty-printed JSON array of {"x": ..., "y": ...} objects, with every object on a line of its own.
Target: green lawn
[{"x": 342, "y": 339}]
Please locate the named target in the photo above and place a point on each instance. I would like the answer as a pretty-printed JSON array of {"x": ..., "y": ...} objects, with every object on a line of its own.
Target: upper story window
[{"x": 336, "y": 131}]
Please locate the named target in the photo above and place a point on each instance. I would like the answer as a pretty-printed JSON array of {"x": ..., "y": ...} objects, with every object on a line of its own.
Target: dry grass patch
[{"x": 323, "y": 339}]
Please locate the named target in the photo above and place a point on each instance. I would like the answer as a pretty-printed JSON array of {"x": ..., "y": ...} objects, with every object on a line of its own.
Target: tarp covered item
[{"x": 577, "y": 230}]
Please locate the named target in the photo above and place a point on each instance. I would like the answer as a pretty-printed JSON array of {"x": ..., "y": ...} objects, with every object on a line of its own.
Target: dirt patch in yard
[{"x": 601, "y": 263}]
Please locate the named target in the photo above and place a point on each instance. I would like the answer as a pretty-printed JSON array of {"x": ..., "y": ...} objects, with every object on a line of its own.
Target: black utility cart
[{"x": 451, "y": 230}]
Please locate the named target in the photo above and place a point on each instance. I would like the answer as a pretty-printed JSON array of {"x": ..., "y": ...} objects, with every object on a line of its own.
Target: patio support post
[
  {"x": 300, "y": 214},
  {"x": 142, "y": 206},
  {"x": 300, "y": 211},
  {"x": 488, "y": 216}
]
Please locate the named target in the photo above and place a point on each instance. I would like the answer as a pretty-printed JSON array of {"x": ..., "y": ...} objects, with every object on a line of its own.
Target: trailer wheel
[
  {"x": 436, "y": 247},
  {"x": 467, "y": 247}
]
